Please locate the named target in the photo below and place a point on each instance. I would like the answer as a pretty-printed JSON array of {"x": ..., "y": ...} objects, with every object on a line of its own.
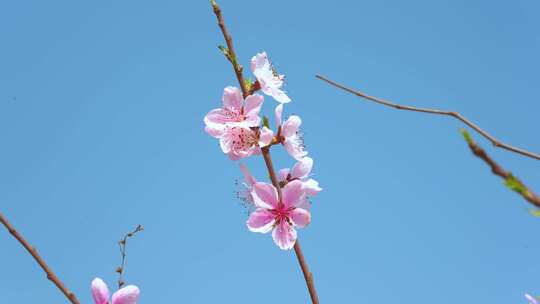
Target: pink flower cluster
[{"x": 237, "y": 126}]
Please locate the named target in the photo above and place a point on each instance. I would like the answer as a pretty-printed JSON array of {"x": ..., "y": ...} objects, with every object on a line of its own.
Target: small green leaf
[
  {"x": 249, "y": 84},
  {"x": 514, "y": 184},
  {"x": 466, "y": 135},
  {"x": 266, "y": 122},
  {"x": 224, "y": 50},
  {"x": 535, "y": 212}
]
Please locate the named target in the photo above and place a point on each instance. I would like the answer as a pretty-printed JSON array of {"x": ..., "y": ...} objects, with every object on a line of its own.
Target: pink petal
[
  {"x": 311, "y": 187},
  {"x": 302, "y": 168},
  {"x": 283, "y": 173},
  {"x": 126, "y": 295},
  {"x": 294, "y": 149},
  {"x": 284, "y": 235},
  {"x": 259, "y": 61},
  {"x": 251, "y": 121},
  {"x": 253, "y": 105},
  {"x": 279, "y": 112},
  {"x": 292, "y": 194},
  {"x": 100, "y": 291},
  {"x": 225, "y": 142},
  {"x": 265, "y": 195},
  {"x": 305, "y": 204},
  {"x": 261, "y": 220},
  {"x": 233, "y": 155},
  {"x": 250, "y": 180},
  {"x": 300, "y": 217},
  {"x": 265, "y": 137},
  {"x": 215, "y": 117},
  {"x": 279, "y": 95},
  {"x": 214, "y": 132},
  {"x": 232, "y": 98},
  {"x": 291, "y": 126}
]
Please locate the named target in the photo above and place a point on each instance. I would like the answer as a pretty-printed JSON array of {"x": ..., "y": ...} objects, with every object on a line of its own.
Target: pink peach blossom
[
  {"x": 290, "y": 133},
  {"x": 280, "y": 216},
  {"x": 235, "y": 112},
  {"x": 236, "y": 124},
  {"x": 126, "y": 295},
  {"x": 269, "y": 80},
  {"x": 301, "y": 171},
  {"x": 240, "y": 142}
]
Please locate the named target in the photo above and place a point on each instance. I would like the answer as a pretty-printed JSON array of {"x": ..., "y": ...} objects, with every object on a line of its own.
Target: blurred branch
[
  {"x": 510, "y": 180},
  {"x": 32, "y": 250},
  {"x": 122, "y": 243},
  {"x": 497, "y": 143}
]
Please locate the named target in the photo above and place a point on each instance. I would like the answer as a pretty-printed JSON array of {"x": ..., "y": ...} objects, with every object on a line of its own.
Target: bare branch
[
  {"x": 122, "y": 244},
  {"x": 497, "y": 143},
  {"x": 510, "y": 180},
  {"x": 32, "y": 250}
]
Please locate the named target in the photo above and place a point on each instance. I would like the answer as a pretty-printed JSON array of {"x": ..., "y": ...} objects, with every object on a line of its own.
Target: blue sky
[{"x": 101, "y": 107}]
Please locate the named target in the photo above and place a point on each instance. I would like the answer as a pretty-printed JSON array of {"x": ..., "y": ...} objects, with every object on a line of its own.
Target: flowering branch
[
  {"x": 122, "y": 244},
  {"x": 497, "y": 143},
  {"x": 32, "y": 250},
  {"x": 237, "y": 126},
  {"x": 510, "y": 180}
]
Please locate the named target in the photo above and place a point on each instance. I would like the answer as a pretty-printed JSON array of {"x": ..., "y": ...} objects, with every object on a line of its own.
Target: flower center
[
  {"x": 282, "y": 214},
  {"x": 242, "y": 138}
]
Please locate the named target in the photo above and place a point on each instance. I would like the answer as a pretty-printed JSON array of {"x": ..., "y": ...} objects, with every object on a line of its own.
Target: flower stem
[
  {"x": 238, "y": 70},
  {"x": 33, "y": 252}
]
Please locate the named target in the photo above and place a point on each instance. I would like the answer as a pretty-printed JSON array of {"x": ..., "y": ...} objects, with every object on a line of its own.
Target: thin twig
[
  {"x": 308, "y": 276},
  {"x": 32, "y": 250},
  {"x": 511, "y": 181},
  {"x": 497, "y": 143},
  {"x": 122, "y": 244},
  {"x": 231, "y": 55}
]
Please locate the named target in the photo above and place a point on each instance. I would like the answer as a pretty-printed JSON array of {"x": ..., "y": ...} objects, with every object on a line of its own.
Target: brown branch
[
  {"x": 122, "y": 243},
  {"x": 511, "y": 181},
  {"x": 308, "y": 276},
  {"x": 32, "y": 250},
  {"x": 497, "y": 143},
  {"x": 231, "y": 55}
]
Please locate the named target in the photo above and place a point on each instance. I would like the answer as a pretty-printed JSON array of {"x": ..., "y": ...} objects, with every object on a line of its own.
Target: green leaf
[
  {"x": 224, "y": 50},
  {"x": 514, "y": 184},
  {"x": 249, "y": 84},
  {"x": 535, "y": 212},
  {"x": 266, "y": 122},
  {"x": 466, "y": 135}
]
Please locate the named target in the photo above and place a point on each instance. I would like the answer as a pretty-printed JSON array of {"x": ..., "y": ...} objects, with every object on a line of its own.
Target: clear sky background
[{"x": 101, "y": 108}]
